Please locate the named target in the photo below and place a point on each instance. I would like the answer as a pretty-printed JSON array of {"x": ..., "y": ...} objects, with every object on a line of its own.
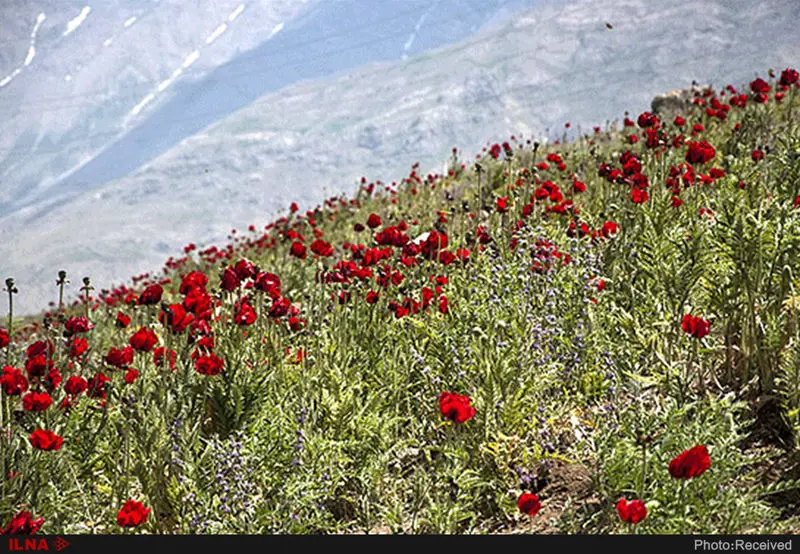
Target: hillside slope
[{"x": 598, "y": 337}]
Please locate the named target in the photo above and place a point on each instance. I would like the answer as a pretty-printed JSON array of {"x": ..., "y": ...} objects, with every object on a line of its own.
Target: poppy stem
[
  {"x": 478, "y": 169},
  {"x": 683, "y": 495},
  {"x": 644, "y": 470},
  {"x": 126, "y": 450},
  {"x": 700, "y": 374}
]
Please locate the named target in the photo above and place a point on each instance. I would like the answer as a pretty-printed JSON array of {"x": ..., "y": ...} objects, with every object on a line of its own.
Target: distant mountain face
[
  {"x": 93, "y": 90},
  {"x": 74, "y": 76},
  {"x": 238, "y": 141}
]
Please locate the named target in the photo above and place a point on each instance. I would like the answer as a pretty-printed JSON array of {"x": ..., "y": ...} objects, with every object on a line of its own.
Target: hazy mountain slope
[
  {"x": 556, "y": 63},
  {"x": 74, "y": 76},
  {"x": 159, "y": 77}
]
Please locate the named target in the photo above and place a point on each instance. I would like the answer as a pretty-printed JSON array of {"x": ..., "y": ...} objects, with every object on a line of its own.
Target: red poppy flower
[
  {"x": 600, "y": 285},
  {"x": 700, "y": 152},
  {"x": 77, "y": 324},
  {"x": 13, "y": 381},
  {"x": 392, "y": 236},
  {"x": 502, "y": 204},
  {"x": 42, "y": 439},
  {"x": 298, "y": 250},
  {"x": 280, "y": 307},
  {"x": 209, "y": 365},
  {"x": 372, "y": 297},
  {"x": 132, "y": 514},
  {"x": 427, "y": 296},
  {"x": 230, "y": 280},
  {"x": 36, "y": 401},
  {"x": 245, "y": 314},
  {"x": 631, "y": 512},
  {"x": 205, "y": 343},
  {"x": 639, "y": 196},
  {"x": 433, "y": 244},
  {"x": 75, "y": 385},
  {"x": 757, "y": 155},
  {"x": 456, "y": 407},
  {"x": 610, "y": 228},
  {"x": 96, "y": 386},
  {"x": 269, "y": 283},
  {"x": 44, "y": 348},
  {"x": 529, "y": 503},
  {"x": 374, "y": 221},
  {"x": 120, "y": 358},
  {"x": 789, "y": 76},
  {"x": 23, "y": 524},
  {"x": 647, "y": 119},
  {"x": 695, "y": 326},
  {"x": 690, "y": 463},
  {"x": 122, "y": 320},
  {"x": 199, "y": 302},
  {"x": 321, "y": 248},
  {"x": 760, "y": 86},
  {"x": 143, "y": 340},
  {"x": 193, "y": 279},
  {"x": 244, "y": 269},
  {"x": 38, "y": 366},
  {"x": 176, "y": 318},
  {"x": 151, "y": 295},
  {"x": 131, "y": 375},
  {"x": 443, "y": 304},
  {"x": 52, "y": 380},
  {"x": 296, "y": 324},
  {"x": 4, "y": 338}
]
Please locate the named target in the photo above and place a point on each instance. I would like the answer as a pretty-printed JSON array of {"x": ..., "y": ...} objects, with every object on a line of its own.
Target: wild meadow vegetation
[{"x": 599, "y": 335}]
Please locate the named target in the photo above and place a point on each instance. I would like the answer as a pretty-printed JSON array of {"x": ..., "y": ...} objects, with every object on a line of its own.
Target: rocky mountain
[{"x": 76, "y": 76}]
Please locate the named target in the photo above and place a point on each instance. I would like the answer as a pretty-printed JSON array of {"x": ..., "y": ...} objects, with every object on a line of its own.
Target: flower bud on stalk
[
  {"x": 12, "y": 290},
  {"x": 61, "y": 281},
  {"x": 87, "y": 286}
]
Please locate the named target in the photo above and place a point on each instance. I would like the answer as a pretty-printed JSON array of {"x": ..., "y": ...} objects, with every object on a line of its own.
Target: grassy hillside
[{"x": 545, "y": 329}]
